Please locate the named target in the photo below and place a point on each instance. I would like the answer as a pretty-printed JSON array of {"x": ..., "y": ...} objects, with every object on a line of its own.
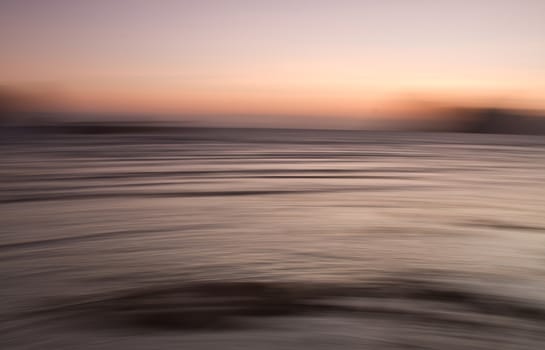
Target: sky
[{"x": 330, "y": 62}]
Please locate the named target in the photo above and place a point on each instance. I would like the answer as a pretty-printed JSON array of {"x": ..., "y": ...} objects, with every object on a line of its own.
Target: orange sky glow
[{"x": 346, "y": 60}]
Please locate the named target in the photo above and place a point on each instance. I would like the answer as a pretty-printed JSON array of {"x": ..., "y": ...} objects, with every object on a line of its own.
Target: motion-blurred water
[{"x": 272, "y": 239}]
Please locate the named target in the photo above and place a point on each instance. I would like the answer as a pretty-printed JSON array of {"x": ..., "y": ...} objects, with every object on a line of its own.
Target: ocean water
[{"x": 272, "y": 239}]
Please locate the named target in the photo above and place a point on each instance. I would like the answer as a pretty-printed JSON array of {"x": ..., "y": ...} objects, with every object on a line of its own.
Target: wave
[
  {"x": 192, "y": 194},
  {"x": 241, "y": 304}
]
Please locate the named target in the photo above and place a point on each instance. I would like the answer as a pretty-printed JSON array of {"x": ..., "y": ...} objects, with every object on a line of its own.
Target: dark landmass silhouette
[
  {"x": 23, "y": 111},
  {"x": 492, "y": 120}
]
